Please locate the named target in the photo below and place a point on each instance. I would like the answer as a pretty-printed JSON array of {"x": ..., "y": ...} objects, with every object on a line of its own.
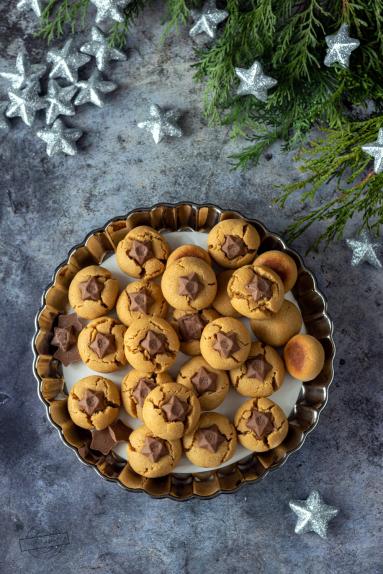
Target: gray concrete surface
[{"x": 47, "y": 205}]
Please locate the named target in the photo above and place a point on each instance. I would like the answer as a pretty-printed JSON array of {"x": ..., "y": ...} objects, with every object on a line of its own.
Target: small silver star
[
  {"x": 99, "y": 48},
  {"x": 313, "y": 514},
  {"x": 364, "y": 250},
  {"x": 35, "y": 5},
  {"x": 26, "y": 74},
  {"x": 59, "y": 101},
  {"x": 375, "y": 149},
  {"x": 66, "y": 62},
  {"x": 162, "y": 123},
  {"x": 60, "y": 139},
  {"x": 109, "y": 9},
  {"x": 4, "y": 123},
  {"x": 254, "y": 82},
  {"x": 91, "y": 90},
  {"x": 207, "y": 20},
  {"x": 340, "y": 46},
  {"x": 24, "y": 104}
]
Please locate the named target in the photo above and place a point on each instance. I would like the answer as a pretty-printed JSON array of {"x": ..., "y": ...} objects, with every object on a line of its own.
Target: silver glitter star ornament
[
  {"x": 161, "y": 123},
  {"x": 98, "y": 47},
  {"x": 26, "y": 74},
  {"x": 109, "y": 10},
  {"x": 66, "y": 62},
  {"x": 35, "y": 5},
  {"x": 207, "y": 20},
  {"x": 24, "y": 104},
  {"x": 340, "y": 46},
  {"x": 92, "y": 90},
  {"x": 59, "y": 101},
  {"x": 375, "y": 149},
  {"x": 313, "y": 514},
  {"x": 60, "y": 139},
  {"x": 4, "y": 123},
  {"x": 363, "y": 250},
  {"x": 254, "y": 82}
]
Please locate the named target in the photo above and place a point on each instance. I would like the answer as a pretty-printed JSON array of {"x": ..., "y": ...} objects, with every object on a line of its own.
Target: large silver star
[
  {"x": 254, "y": 82},
  {"x": 91, "y": 90},
  {"x": 364, "y": 250},
  {"x": 161, "y": 123},
  {"x": 109, "y": 9},
  {"x": 24, "y": 104},
  {"x": 35, "y": 5},
  {"x": 340, "y": 46},
  {"x": 26, "y": 74},
  {"x": 66, "y": 62},
  {"x": 4, "y": 123},
  {"x": 207, "y": 20},
  {"x": 313, "y": 514},
  {"x": 59, "y": 101},
  {"x": 375, "y": 149},
  {"x": 60, "y": 139},
  {"x": 99, "y": 48}
]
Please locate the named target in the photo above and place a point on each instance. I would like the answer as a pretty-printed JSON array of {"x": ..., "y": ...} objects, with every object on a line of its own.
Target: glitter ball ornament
[
  {"x": 24, "y": 104},
  {"x": 66, "y": 62},
  {"x": 26, "y": 74},
  {"x": 254, "y": 82},
  {"x": 99, "y": 48},
  {"x": 340, "y": 46},
  {"x": 363, "y": 250},
  {"x": 313, "y": 514},
  {"x": 375, "y": 149},
  {"x": 92, "y": 90},
  {"x": 59, "y": 101},
  {"x": 4, "y": 123},
  {"x": 60, "y": 139},
  {"x": 207, "y": 20},
  {"x": 34, "y": 5},
  {"x": 161, "y": 123},
  {"x": 109, "y": 10}
]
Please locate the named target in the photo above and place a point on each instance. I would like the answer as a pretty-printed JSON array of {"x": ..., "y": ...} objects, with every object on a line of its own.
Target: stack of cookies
[{"x": 192, "y": 301}]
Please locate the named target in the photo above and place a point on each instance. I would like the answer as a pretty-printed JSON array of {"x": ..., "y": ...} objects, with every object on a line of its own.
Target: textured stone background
[{"x": 47, "y": 205}]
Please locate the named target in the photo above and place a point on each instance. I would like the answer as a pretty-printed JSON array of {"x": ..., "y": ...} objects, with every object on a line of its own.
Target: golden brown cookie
[
  {"x": 189, "y": 326},
  {"x": 278, "y": 327},
  {"x": 93, "y": 292},
  {"x": 94, "y": 402},
  {"x": 142, "y": 253},
  {"x": 188, "y": 250},
  {"x": 151, "y": 344},
  {"x": 255, "y": 291},
  {"x": 213, "y": 442},
  {"x": 189, "y": 284},
  {"x": 233, "y": 243},
  {"x": 261, "y": 375},
  {"x": 222, "y": 301},
  {"x": 225, "y": 343},
  {"x": 210, "y": 385},
  {"x": 261, "y": 424},
  {"x": 304, "y": 357},
  {"x": 282, "y": 264},
  {"x": 171, "y": 410},
  {"x": 101, "y": 345},
  {"x": 136, "y": 386},
  {"x": 138, "y": 299},
  {"x": 151, "y": 456}
]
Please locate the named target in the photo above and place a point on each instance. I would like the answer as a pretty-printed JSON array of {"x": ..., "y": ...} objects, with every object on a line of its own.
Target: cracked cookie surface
[
  {"x": 158, "y": 461},
  {"x": 213, "y": 441},
  {"x": 142, "y": 253},
  {"x": 81, "y": 402},
  {"x": 138, "y": 299},
  {"x": 215, "y": 334},
  {"x": 210, "y": 385},
  {"x": 222, "y": 302},
  {"x": 113, "y": 357},
  {"x": 268, "y": 424},
  {"x": 277, "y": 328},
  {"x": 189, "y": 326},
  {"x": 93, "y": 292},
  {"x": 135, "y": 387},
  {"x": 233, "y": 243}
]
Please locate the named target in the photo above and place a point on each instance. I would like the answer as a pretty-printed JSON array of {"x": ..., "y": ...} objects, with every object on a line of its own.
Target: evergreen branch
[{"x": 58, "y": 14}]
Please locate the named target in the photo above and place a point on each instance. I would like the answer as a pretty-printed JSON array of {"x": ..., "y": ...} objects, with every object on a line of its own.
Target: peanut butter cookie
[
  {"x": 101, "y": 345},
  {"x": 151, "y": 456},
  {"x": 222, "y": 302},
  {"x": 210, "y": 385},
  {"x": 136, "y": 386},
  {"x": 94, "y": 402},
  {"x": 278, "y": 327},
  {"x": 142, "y": 253},
  {"x": 233, "y": 243},
  {"x": 282, "y": 264},
  {"x": 261, "y": 424},
  {"x": 189, "y": 326},
  {"x": 304, "y": 357},
  {"x": 138, "y": 299},
  {"x": 213, "y": 442},
  {"x": 188, "y": 250},
  {"x": 93, "y": 292},
  {"x": 225, "y": 343}
]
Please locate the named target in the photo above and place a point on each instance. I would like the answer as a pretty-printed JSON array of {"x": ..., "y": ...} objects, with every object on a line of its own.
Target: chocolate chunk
[
  {"x": 260, "y": 288},
  {"x": 210, "y": 438},
  {"x": 103, "y": 440},
  {"x": 154, "y": 343},
  {"x": 143, "y": 388},
  {"x": 189, "y": 285},
  {"x": 258, "y": 368},
  {"x": 260, "y": 423},
  {"x": 92, "y": 402},
  {"x": 204, "y": 380},
  {"x": 65, "y": 338},
  {"x": 140, "y": 301},
  {"x": 175, "y": 409},
  {"x": 141, "y": 251},
  {"x": 154, "y": 448},
  {"x": 226, "y": 344},
  {"x": 85, "y": 452},
  {"x": 103, "y": 344},
  {"x": 234, "y": 246},
  {"x": 91, "y": 289},
  {"x": 190, "y": 327}
]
